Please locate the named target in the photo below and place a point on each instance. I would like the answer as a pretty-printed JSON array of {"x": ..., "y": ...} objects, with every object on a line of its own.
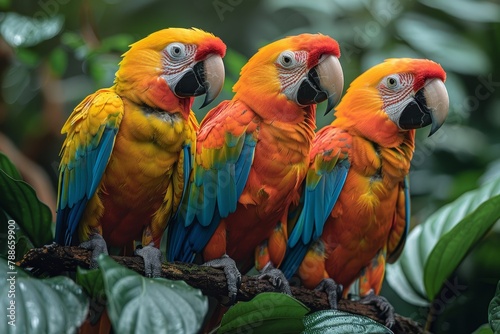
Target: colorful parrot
[
  {"x": 355, "y": 207},
  {"x": 253, "y": 152},
  {"x": 127, "y": 154}
]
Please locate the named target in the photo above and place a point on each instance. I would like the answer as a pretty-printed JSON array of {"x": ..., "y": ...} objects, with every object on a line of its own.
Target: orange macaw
[
  {"x": 127, "y": 154},
  {"x": 355, "y": 211},
  {"x": 253, "y": 151}
]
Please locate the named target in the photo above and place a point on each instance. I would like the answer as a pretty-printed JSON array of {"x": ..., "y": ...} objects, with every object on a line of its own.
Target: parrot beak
[
  {"x": 324, "y": 81},
  {"x": 430, "y": 106},
  {"x": 214, "y": 71},
  {"x": 206, "y": 77}
]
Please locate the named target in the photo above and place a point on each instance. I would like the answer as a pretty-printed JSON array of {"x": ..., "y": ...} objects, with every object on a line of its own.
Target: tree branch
[{"x": 55, "y": 259}]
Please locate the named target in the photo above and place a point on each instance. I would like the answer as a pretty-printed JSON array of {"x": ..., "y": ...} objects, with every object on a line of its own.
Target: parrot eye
[
  {"x": 287, "y": 59},
  {"x": 176, "y": 50},
  {"x": 392, "y": 82}
]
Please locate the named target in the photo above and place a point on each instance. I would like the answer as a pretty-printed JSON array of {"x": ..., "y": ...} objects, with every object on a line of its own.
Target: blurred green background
[{"x": 55, "y": 52}]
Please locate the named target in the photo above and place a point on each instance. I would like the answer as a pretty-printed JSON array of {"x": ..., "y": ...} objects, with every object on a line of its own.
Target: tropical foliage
[{"x": 53, "y": 53}]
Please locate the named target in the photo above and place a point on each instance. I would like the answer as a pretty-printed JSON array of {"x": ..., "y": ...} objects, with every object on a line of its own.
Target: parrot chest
[
  {"x": 363, "y": 217},
  {"x": 138, "y": 178},
  {"x": 280, "y": 164}
]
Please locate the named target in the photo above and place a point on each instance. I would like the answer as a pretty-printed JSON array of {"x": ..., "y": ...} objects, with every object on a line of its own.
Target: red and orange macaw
[
  {"x": 253, "y": 151},
  {"x": 127, "y": 154},
  {"x": 355, "y": 211}
]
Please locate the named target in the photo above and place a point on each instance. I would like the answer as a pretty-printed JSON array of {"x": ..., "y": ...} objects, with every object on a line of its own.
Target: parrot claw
[
  {"x": 277, "y": 278},
  {"x": 98, "y": 246},
  {"x": 233, "y": 275},
  {"x": 383, "y": 305},
  {"x": 152, "y": 260},
  {"x": 332, "y": 289}
]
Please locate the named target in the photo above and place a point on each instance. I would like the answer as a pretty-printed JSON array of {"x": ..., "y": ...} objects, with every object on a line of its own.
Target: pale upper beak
[
  {"x": 438, "y": 103},
  {"x": 324, "y": 81},
  {"x": 429, "y": 106},
  {"x": 205, "y": 77}
]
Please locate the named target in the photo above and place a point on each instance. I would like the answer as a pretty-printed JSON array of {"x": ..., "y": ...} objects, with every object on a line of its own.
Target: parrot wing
[
  {"x": 401, "y": 223},
  {"x": 91, "y": 131},
  {"x": 224, "y": 154},
  {"x": 324, "y": 181}
]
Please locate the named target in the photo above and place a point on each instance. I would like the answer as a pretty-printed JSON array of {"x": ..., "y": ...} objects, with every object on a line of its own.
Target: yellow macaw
[{"x": 127, "y": 154}]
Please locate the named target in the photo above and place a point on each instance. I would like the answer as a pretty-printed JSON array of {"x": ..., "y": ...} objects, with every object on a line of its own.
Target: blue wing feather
[
  {"x": 80, "y": 187},
  {"x": 213, "y": 194},
  {"x": 319, "y": 201}
]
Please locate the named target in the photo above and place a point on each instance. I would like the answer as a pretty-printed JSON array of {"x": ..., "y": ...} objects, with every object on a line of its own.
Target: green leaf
[
  {"x": 8, "y": 167},
  {"x": 438, "y": 40},
  {"x": 54, "y": 305},
  {"x": 20, "y": 202},
  {"x": 476, "y": 11},
  {"x": 24, "y": 31},
  {"x": 91, "y": 280},
  {"x": 28, "y": 57},
  {"x": 58, "y": 60},
  {"x": 120, "y": 42},
  {"x": 4, "y": 4},
  {"x": 494, "y": 311},
  {"x": 266, "y": 313},
  {"x": 484, "y": 329},
  {"x": 460, "y": 220},
  {"x": 234, "y": 61},
  {"x": 72, "y": 40},
  {"x": 137, "y": 304},
  {"x": 103, "y": 68},
  {"x": 338, "y": 322},
  {"x": 454, "y": 245}
]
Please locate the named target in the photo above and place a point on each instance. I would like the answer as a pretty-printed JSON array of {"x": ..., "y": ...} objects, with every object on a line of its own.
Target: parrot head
[
  {"x": 396, "y": 96},
  {"x": 292, "y": 74},
  {"x": 168, "y": 68}
]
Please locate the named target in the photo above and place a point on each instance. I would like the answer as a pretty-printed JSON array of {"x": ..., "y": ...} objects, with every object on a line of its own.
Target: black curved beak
[
  {"x": 324, "y": 81},
  {"x": 205, "y": 77},
  {"x": 430, "y": 106}
]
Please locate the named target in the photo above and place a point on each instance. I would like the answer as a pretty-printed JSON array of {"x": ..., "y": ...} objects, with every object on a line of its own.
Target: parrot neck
[
  {"x": 277, "y": 108},
  {"x": 362, "y": 115},
  {"x": 262, "y": 93},
  {"x": 156, "y": 94}
]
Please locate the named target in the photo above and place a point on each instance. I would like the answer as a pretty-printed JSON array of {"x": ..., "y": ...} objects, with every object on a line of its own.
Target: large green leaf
[
  {"x": 454, "y": 245},
  {"x": 467, "y": 218},
  {"x": 494, "y": 311},
  {"x": 338, "y": 322},
  {"x": 20, "y": 202},
  {"x": 8, "y": 167},
  {"x": 268, "y": 312},
  {"x": 54, "y": 305},
  {"x": 137, "y": 304},
  {"x": 92, "y": 281}
]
